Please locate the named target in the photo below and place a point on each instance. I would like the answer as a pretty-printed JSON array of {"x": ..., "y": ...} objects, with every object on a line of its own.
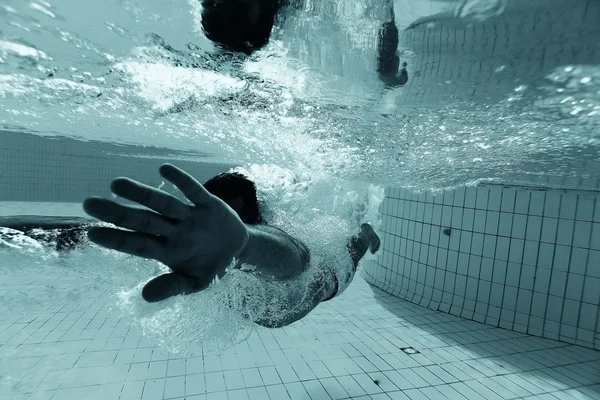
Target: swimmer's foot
[{"x": 374, "y": 241}]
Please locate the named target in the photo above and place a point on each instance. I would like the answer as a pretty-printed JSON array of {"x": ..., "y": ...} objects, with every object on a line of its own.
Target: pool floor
[{"x": 348, "y": 348}]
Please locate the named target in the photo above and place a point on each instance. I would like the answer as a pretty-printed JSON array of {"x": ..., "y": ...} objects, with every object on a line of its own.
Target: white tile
[
  {"x": 257, "y": 393},
  {"x": 428, "y": 213},
  {"x": 530, "y": 252},
  {"x": 474, "y": 265},
  {"x": 491, "y": 223},
  {"x": 552, "y": 204},
  {"x": 436, "y": 217},
  {"x": 487, "y": 268},
  {"x": 508, "y": 200},
  {"x": 502, "y": 248},
  {"x": 519, "y": 226},
  {"x": 175, "y": 387},
  {"x": 459, "y": 197},
  {"x": 546, "y": 256},
  {"x": 333, "y": 388},
  {"x": 538, "y": 304},
  {"x": 489, "y": 246},
  {"x": 269, "y": 375},
  {"x": 554, "y": 309},
  {"x": 558, "y": 283},
  {"x": 534, "y": 227},
  {"x": 494, "y": 199},
  {"x": 457, "y": 218},
  {"x": 315, "y": 390},
  {"x": 585, "y": 208},
  {"x": 562, "y": 256},
  {"x": 483, "y": 390},
  {"x": 524, "y": 301},
  {"x": 482, "y": 198},
  {"x": 513, "y": 274},
  {"x": 582, "y": 234},
  {"x": 536, "y": 203},
  {"x": 351, "y": 386},
  {"x": 470, "y": 197},
  {"x": 479, "y": 221},
  {"x": 574, "y": 287},
  {"x": 595, "y": 240},
  {"x": 286, "y": 373},
  {"x": 564, "y": 234},
  {"x": 237, "y": 394},
  {"x": 234, "y": 379},
  {"x": 568, "y": 206},
  {"x": 516, "y": 250},
  {"x": 278, "y": 392},
  {"x": 212, "y": 364},
  {"x": 195, "y": 384},
  {"x": 570, "y": 312},
  {"x": 154, "y": 389},
  {"x": 296, "y": 391},
  {"x": 505, "y": 224},
  {"x": 593, "y": 265},
  {"x": 175, "y": 367},
  {"x": 578, "y": 261},
  {"x": 587, "y": 316},
  {"x": 157, "y": 369},
  {"x": 466, "y": 391},
  {"x": 549, "y": 228},
  {"x": 215, "y": 382},
  {"x": 446, "y": 220},
  {"x": 465, "y": 242},
  {"x": 591, "y": 290}
]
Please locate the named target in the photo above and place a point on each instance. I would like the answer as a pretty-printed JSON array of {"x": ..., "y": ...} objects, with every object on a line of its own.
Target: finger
[
  {"x": 155, "y": 199},
  {"x": 134, "y": 243},
  {"x": 191, "y": 188},
  {"x": 136, "y": 219},
  {"x": 168, "y": 285}
]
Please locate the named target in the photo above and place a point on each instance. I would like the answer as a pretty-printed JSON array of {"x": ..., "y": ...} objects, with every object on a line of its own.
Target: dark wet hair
[
  {"x": 229, "y": 24},
  {"x": 231, "y": 185}
]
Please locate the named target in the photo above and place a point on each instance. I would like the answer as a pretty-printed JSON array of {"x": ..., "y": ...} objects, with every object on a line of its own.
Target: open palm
[{"x": 195, "y": 241}]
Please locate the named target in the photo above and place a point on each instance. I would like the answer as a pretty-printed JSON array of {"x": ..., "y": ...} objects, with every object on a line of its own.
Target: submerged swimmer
[
  {"x": 244, "y": 26},
  {"x": 199, "y": 241}
]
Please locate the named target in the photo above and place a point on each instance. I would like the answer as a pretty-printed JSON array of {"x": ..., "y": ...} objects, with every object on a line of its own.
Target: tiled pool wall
[
  {"x": 59, "y": 169},
  {"x": 486, "y": 57},
  {"x": 521, "y": 258}
]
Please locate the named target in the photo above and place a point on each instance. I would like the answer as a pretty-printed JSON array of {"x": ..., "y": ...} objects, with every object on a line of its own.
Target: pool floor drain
[{"x": 410, "y": 350}]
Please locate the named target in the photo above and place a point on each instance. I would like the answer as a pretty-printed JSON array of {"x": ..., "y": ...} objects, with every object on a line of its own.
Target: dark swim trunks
[{"x": 336, "y": 283}]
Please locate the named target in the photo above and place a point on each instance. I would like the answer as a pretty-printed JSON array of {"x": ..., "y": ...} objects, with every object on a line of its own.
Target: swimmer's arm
[{"x": 274, "y": 252}]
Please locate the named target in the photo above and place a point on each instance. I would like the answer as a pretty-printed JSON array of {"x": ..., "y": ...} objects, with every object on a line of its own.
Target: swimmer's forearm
[{"x": 274, "y": 252}]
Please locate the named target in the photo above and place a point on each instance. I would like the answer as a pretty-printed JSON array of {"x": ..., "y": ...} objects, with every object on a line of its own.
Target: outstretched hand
[{"x": 195, "y": 241}]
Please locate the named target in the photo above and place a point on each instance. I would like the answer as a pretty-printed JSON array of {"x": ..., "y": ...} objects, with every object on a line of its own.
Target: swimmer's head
[
  {"x": 239, "y": 193},
  {"x": 239, "y": 25}
]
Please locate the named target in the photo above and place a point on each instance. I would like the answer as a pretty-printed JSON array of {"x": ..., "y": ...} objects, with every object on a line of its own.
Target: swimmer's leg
[
  {"x": 67, "y": 232},
  {"x": 388, "y": 61},
  {"x": 358, "y": 244}
]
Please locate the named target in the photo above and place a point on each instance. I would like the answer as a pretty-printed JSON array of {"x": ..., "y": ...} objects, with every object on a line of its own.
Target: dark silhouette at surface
[
  {"x": 239, "y": 25},
  {"x": 244, "y": 26},
  {"x": 388, "y": 61}
]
